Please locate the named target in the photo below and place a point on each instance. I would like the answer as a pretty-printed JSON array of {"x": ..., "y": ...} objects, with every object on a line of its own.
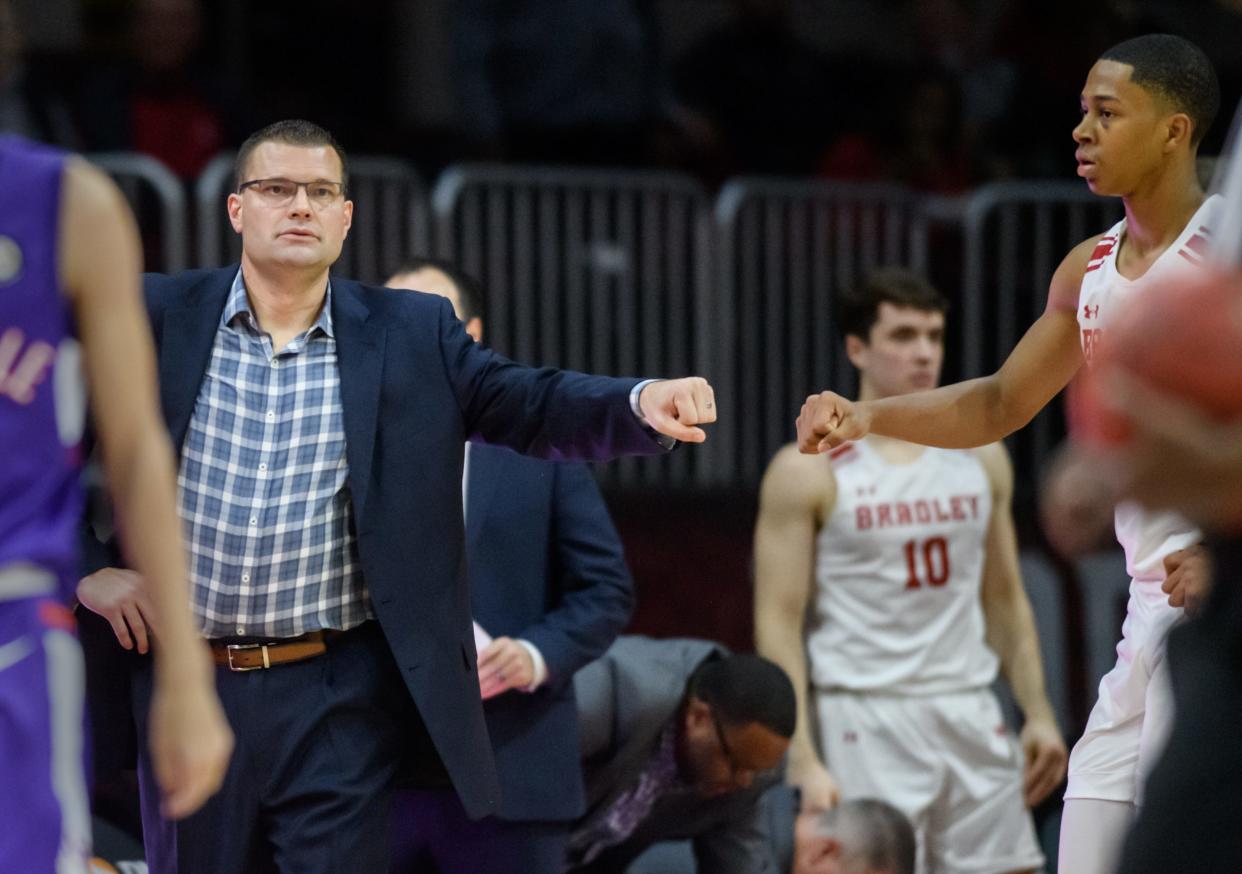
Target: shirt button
[
  {"x": 254, "y": 520},
  {"x": 241, "y": 630},
  {"x": 270, "y": 415},
  {"x": 263, "y": 465},
  {"x": 245, "y": 578},
  {"x": 275, "y": 362}
]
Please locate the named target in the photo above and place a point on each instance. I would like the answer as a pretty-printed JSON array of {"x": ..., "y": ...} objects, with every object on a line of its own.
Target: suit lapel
[
  {"x": 360, "y": 360},
  {"x": 186, "y": 340}
]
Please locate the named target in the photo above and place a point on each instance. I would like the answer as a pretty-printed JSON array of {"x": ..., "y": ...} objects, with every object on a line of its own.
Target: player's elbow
[{"x": 1008, "y": 410}]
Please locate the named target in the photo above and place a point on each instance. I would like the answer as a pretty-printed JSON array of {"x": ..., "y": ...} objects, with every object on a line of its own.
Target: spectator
[
  {"x": 760, "y": 96},
  {"x": 558, "y": 80},
  {"x": 29, "y": 107},
  {"x": 158, "y": 100}
]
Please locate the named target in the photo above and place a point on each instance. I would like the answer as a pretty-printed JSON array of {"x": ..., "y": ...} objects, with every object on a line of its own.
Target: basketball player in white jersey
[
  {"x": 1145, "y": 107},
  {"x": 900, "y": 562}
]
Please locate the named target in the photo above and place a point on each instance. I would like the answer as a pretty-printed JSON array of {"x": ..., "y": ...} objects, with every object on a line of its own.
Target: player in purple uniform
[{"x": 69, "y": 257}]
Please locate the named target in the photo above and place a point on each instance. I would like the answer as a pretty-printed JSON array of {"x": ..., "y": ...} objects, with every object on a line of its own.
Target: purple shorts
[{"x": 44, "y": 809}]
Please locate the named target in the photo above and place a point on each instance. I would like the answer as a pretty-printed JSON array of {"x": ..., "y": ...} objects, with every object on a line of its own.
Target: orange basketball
[{"x": 1184, "y": 340}]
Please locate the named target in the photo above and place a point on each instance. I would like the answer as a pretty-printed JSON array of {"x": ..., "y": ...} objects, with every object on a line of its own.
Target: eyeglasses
[
  {"x": 734, "y": 768},
  {"x": 281, "y": 192}
]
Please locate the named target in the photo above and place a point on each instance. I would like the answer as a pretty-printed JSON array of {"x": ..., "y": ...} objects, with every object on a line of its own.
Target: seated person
[{"x": 679, "y": 741}]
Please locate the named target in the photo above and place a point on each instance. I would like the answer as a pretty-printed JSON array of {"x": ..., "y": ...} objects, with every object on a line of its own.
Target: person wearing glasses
[
  {"x": 887, "y": 584},
  {"x": 679, "y": 739},
  {"x": 320, "y": 426}
]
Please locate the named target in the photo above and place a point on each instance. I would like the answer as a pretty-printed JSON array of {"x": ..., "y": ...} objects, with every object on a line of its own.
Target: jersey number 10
[{"x": 935, "y": 570}]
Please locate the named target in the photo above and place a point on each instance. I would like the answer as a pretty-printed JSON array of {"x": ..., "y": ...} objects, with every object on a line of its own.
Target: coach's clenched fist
[
  {"x": 673, "y": 406},
  {"x": 827, "y": 420}
]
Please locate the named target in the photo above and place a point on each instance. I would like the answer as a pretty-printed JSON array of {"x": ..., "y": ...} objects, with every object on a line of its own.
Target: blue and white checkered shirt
[{"x": 263, "y": 487}]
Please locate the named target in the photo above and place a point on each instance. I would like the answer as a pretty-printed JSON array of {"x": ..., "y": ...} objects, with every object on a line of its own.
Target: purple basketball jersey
[{"x": 41, "y": 390}]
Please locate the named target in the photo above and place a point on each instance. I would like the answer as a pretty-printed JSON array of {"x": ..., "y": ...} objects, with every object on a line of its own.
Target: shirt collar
[{"x": 238, "y": 304}]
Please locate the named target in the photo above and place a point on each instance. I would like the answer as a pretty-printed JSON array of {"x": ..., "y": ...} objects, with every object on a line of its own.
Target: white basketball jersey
[
  {"x": 898, "y": 570},
  {"x": 1147, "y": 537}
]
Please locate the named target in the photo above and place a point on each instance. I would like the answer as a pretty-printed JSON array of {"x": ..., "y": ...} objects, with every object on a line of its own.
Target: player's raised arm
[
  {"x": 795, "y": 489},
  {"x": 977, "y": 411},
  {"x": 100, "y": 260}
]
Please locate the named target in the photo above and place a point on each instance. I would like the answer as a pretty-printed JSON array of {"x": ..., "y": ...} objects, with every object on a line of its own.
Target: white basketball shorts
[
  {"x": 1132, "y": 716},
  {"x": 948, "y": 762}
]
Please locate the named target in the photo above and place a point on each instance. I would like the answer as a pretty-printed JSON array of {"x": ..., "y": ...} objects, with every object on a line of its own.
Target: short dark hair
[
  {"x": 294, "y": 132},
  {"x": 469, "y": 289},
  {"x": 742, "y": 688},
  {"x": 872, "y": 831},
  {"x": 1175, "y": 69},
  {"x": 859, "y": 307}
]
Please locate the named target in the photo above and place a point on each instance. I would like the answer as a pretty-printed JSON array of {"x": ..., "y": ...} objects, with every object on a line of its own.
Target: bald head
[
  {"x": 433, "y": 277},
  {"x": 860, "y": 836}
]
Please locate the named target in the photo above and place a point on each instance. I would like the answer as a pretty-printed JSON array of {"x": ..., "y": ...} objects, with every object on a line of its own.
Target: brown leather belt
[{"x": 255, "y": 656}]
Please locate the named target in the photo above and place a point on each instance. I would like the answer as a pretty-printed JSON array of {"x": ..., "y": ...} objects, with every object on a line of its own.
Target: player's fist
[
  {"x": 673, "y": 406},
  {"x": 827, "y": 420}
]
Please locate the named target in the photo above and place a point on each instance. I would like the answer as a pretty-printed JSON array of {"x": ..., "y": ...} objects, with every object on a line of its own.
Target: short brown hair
[
  {"x": 294, "y": 132},
  {"x": 859, "y": 308}
]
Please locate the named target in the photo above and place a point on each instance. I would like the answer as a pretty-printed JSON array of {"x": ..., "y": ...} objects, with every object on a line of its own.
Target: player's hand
[
  {"x": 1046, "y": 756},
  {"x": 120, "y": 596},
  {"x": 827, "y": 420},
  {"x": 673, "y": 406},
  {"x": 1188, "y": 578},
  {"x": 816, "y": 786},
  {"x": 505, "y": 664},
  {"x": 190, "y": 739}
]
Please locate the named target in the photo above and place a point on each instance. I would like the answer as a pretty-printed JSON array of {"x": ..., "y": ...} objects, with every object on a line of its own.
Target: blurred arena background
[{"x": 651, "y": 187}]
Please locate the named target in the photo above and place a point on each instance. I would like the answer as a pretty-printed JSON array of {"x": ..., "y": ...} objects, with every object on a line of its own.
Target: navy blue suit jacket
[
  {"x": 546, "y": 565},
  {"x": 414, "y": 387}
]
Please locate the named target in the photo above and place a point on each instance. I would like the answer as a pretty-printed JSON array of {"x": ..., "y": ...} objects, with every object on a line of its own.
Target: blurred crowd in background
[{"x": 940, "y": 95}]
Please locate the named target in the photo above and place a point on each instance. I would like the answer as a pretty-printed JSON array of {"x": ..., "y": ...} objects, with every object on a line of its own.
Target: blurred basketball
[{"x": 1184, "y": 340}]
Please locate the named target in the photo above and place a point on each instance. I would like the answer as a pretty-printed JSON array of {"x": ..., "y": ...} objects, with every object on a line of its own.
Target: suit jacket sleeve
[
  {"x": 542, "y": 412},
  {"x": 596, "y": 591},
  {"x": 595, "y": 694}
]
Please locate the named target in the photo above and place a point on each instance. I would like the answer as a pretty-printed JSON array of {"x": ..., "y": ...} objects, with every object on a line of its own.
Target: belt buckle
[{"x": 233, "y": 647}]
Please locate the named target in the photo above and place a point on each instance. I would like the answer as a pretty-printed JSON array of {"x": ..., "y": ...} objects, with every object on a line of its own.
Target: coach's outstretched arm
[{"x": 975, "y": 412}]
